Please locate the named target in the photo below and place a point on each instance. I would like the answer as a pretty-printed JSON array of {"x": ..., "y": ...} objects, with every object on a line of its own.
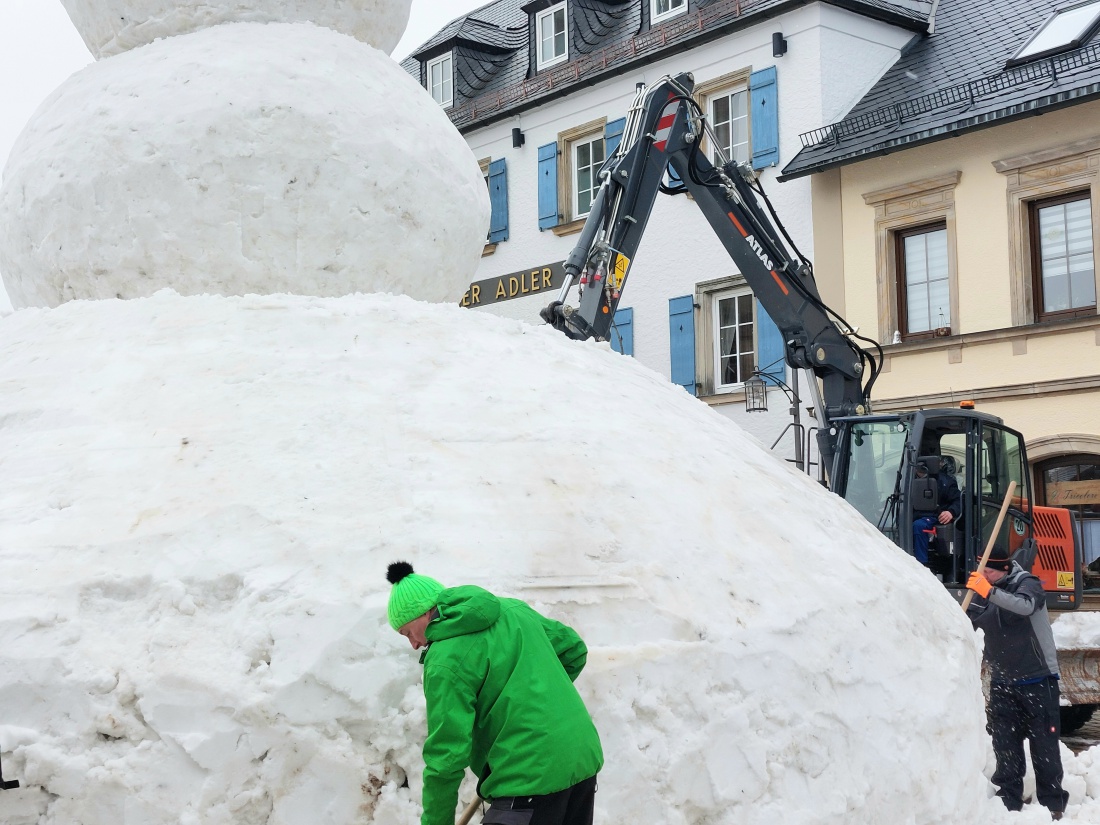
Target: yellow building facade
[{"x": 995, "y": 338}]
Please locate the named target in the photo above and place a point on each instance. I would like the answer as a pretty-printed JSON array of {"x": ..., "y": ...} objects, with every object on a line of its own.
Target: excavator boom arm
[{"x": 662, "y": 132}]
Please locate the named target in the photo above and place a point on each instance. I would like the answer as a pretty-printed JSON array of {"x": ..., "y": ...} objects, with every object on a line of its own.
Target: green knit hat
[{"x": 412, "y": 595}]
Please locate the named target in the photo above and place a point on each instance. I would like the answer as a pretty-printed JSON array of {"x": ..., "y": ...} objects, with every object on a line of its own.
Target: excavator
[{"x": 869, "y": 459}]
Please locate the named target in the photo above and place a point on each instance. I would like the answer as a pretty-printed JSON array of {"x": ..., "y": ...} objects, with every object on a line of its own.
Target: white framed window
[
  {"x": 729, "y": 117},
  {"x": 441, "y": 80},
  {"x": 662, "y": 9},
  {"x": 725, "y": 100},
  {"x": 588, "y": 155},
  {"x": 551, "y": 36},
  {"x": 734, "y": 344}
]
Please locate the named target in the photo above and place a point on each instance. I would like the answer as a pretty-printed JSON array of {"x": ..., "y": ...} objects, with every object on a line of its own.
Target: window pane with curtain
[
  {"x": 925, "y": 280},
  {"x": 1067, "y": 279},
  {"x": 663, "y": 7},
  {"x": 735, "y": 344},
  {"x": 588, "y": 157},
  {"x": 552, "y": 35},
  {"x": 729, "y": 117}
]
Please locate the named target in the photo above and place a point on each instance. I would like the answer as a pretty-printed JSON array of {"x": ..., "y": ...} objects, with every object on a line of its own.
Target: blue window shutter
[
  {"x": 764, "y": 116},
  {"x": 548, "y": 186},
  {"x": 771, "y": 352},
  {"x": 674, "y": 180},
  {"x": 613, "y": 135},
  {"x": 681, "y": 334},
  {"x": 622, "y": 332},
  {"x": 498, "y": 199}
]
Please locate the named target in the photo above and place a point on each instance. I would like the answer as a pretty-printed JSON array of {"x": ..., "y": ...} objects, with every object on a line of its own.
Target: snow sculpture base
[
  {"x": 111, "y": 27},
  {"x": 209, "y": 490},
  {"x": 246, "y": 158}
]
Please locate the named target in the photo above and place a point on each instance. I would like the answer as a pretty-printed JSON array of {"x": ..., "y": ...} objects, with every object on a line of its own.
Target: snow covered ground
[{"x": 202, "y": 495}]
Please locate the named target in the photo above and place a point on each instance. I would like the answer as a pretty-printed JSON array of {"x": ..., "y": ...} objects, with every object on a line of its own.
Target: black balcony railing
[{"x": 965, "y": 95}]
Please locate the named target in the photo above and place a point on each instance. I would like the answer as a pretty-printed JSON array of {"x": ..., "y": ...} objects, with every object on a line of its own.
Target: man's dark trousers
[
  {"x": 573, "y": 806},
  {"x": 1018, "y": 712}
]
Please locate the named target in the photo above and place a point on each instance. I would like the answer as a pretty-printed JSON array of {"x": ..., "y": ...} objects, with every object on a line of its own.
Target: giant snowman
[{"x": 205, "y": 482}]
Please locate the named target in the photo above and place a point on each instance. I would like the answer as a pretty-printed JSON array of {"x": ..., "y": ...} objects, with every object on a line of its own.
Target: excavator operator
[{"x": 949, "y": 508}]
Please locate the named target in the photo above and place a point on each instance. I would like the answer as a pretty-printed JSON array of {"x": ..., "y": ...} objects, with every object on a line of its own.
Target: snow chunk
[
  {"x": 1079, "y": 629},
  {"x": 113, "y": 26},
  {"x": 759, "y": 653},
  {"x": 245, "y": 158}
]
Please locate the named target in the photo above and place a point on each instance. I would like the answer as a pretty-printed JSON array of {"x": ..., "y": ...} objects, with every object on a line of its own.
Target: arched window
[{"x": 1073, "y": 481}]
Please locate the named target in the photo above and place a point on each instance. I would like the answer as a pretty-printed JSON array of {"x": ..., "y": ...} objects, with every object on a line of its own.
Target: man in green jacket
[{"x": 498, "y": 682}]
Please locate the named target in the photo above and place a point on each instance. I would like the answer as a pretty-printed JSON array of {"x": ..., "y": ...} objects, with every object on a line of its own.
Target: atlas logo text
[{"x": 759, "y": 252}]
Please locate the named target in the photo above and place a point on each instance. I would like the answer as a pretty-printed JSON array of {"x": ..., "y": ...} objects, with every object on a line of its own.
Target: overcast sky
[{"x": 39, "y": 48}]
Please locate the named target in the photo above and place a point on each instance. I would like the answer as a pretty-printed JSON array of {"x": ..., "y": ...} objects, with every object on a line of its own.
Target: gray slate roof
[
  {"x": 494, "y": 76},
  {"x": 955, "y": 80}
]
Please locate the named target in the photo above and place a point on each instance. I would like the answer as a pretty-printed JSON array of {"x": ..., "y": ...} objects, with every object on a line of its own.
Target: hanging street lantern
[{"x": 756, "y": 395}]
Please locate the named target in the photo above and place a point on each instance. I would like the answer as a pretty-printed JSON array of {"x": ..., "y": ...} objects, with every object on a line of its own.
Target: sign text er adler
[{"x": 515, "y": 285}]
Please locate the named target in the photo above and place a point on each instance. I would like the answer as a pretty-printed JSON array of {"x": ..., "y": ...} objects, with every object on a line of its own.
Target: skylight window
[{"x": 1066, "y": 29}]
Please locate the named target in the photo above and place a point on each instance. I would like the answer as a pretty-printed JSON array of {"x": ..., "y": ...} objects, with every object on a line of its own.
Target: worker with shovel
[
  {"x": 498, "y": 683},
  {"x": 1023, "y": 689}
]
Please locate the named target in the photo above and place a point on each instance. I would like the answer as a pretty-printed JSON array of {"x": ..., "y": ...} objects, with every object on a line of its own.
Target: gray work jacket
[{"x": 1019, "y": 644}]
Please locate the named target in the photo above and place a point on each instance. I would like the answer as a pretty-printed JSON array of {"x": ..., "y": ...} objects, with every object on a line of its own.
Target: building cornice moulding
[
  {"x": 1041, "y": 156},
  {"x": 917, "y": 187}
]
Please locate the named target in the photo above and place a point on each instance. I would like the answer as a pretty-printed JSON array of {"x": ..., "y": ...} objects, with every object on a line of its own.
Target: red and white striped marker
[{"x": 664, "y": 125}]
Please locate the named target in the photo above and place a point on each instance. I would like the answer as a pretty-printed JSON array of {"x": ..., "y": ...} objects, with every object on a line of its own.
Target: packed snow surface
[
  {"x": 110, "y": 27},
  {"x": 245, "y": 158},
  {"x": 203, "y": 497}
]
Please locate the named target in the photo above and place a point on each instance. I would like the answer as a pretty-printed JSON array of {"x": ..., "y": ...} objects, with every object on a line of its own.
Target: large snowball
[
  {"x": 245, "y": 158},
  {"x": 112, "y": 26},
  {"x": 202, "y": 496}
]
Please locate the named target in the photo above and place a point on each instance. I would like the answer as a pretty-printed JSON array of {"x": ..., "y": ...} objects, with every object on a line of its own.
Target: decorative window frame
[
  {"x": 569, "y": 222},
  {"x": 541, "y": 64},
  {"x": 908, "y": 206},
  {"x": 448, "y": 57},
  {"x": 707, "y": 294},
  {"x": 1036, "y": 176},
  {"x": 709, "y": 89},
  {"x": 656, "y": 18}
]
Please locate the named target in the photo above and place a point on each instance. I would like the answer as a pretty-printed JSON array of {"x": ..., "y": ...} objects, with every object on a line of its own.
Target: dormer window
[
  {"x": 1068, "y": 28},
  {"x": 441, "y": 80},
  {"x": 662, "y": 9},
  {"x": 551, "y": 36}
]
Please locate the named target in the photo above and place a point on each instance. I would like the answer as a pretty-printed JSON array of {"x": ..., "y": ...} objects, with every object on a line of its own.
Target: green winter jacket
[{"x": 498, "y": 680}]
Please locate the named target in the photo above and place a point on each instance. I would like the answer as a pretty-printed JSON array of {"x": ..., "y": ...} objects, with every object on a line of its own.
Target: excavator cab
[{"x": 886, "y": 466}]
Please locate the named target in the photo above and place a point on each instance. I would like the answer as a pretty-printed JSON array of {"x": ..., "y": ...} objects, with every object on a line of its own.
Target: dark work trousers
[
  {"x": 573, "y": 806},
  {"x": 1027, "y": 712}
]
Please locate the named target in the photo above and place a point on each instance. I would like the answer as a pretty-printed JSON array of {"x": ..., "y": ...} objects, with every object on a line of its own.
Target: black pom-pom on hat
[{"x": 397, "y": 571}]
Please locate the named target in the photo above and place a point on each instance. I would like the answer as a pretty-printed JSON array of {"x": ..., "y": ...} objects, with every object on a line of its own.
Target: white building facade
[{"x": 764, "y": 73}]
